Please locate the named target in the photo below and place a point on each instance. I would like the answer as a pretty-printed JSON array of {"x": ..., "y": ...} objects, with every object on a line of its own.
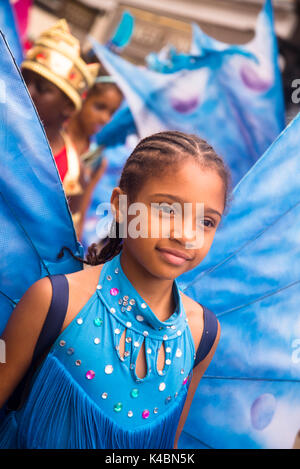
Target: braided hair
[{"x": 151, "y": 157}]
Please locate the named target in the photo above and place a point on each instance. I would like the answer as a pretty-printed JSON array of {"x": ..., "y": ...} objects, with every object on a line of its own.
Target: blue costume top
[{"x": 85, "y": 395}]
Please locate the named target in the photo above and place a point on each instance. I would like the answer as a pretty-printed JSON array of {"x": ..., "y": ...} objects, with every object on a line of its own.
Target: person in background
[
  {"x": 56, "y": 77},
  {"x": 100, "y": 103}
]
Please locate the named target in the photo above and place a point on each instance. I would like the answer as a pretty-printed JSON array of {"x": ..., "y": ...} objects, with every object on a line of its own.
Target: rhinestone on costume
[
  {"x": 104, "y": 395},
  {"x": 98, "y": 322},
  {"x": 145, "y": 414},
  {"x": 62, "y": 343},
  {"x": 168, "y": 349},
  {"x": 134, "y": 392},
  {"x": 118, "y": 407},
  {"x": 128, "y": 324},
  {"x": 128, "y": 339},
  {"x": 112, "y": 310},
  {"x": 90, "y": 374},
  {"x": 176, "y": 394},
  {"x": 162, "y": 386},
  {"x": 132, "y": 302},
  {"x": 168, "y": 399},
  {"x": 145, "y": 333},
  {"x": 165, "y": 337},
  {"x": 96, "y": 340},
  {"x": 117, "y": 331},
  {"x": 155, "y": 410},
  {"x": 108, "y": 277},
  {"x": 178, "y": 333},
  {"x": 108, "y": 369},
  {"x": 168, "y": 361},
  {"x": 130, "y": 413},
  {"x": 178, "y": 353},
  {"x": 123, "y": 309},
  {"x": 79, "y": 321},
  {"x": 99, "y": 287},
  {"x": 185, "y": 381},
  {"x": 125, "y": 298},
  {"x": 143, "y": 305},
  {"x": 114, "y": 291},
  {"x": 78, "y": 362},
  {"x": 136, "y": 344},
  {"x": 173, "y": 327},
  {"x": 116, "y": 270},
  {"x": 70, "y": 351},
  {"x": 129, "y": 308},
  {"x": 120, "y": 301},
  {"x": 139, "y": 318},
  {"x": 149, "y": 350},
  {"x": 181, "y": 371},
  {"x": 126, "y": 354}
]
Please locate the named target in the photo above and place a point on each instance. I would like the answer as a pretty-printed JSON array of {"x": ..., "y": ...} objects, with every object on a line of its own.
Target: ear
[{"x": 118, "y": 202}]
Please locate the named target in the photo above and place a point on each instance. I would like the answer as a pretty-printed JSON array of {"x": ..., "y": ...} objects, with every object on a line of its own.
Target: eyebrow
[{"x": 178, "y": 199}]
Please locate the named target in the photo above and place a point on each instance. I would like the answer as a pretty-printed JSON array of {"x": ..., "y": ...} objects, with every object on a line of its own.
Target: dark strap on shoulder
[
  {"x": 208, "y": 338},
  {"x": 55, "y": 317},
  {"x": 50, "y": 331}
]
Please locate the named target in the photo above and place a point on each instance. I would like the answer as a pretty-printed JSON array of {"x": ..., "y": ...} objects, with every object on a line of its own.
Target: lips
[{"x": 174, "y": 256}]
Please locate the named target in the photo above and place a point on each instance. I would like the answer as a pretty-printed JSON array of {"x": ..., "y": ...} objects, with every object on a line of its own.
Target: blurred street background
[{"x": 162, "y": 22}]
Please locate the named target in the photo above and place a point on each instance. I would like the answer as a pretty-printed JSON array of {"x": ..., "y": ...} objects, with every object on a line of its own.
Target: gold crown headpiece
[{"x": 55, "y": 55}]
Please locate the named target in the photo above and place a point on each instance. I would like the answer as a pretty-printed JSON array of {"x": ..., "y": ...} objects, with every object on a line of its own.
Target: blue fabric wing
[
  {"x": 35, "y": 221},
  {"x": 9, "y": 29},
  {"x": 229, "y": 95},
  {"x": 250, "y": 394}
]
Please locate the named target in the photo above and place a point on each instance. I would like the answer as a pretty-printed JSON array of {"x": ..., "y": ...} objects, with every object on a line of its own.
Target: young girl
[{"x": 132, "y": 348}]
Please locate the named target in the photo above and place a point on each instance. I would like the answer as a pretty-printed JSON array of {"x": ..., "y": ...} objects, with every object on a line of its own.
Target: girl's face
[
  {"x": 197, "y": 195},
  {"x": 98, "y": 109}
]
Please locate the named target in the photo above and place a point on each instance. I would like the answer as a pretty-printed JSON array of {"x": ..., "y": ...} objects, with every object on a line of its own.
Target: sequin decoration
[
  {"x": 155, "y": 410},
  {"x": 134, "y": 393},
  {"x": 178, "y": 353},
  {"x": 162, "y": 386},
  {"x": 98, "y": 322},
  {"x": 96, "y": 340},
  {"x": 112, "y": 310},
  {"x": 128, "y": 324},
  {"x": 118, "y": 407},
  {"x": 62, "y": 343},
  {"x": 145, "y": 414},
  {"x": 78, "y": 362},
  {"x": 90, "y": 374},
  {"x": 70, "y": 351},
  {"x": 104, "y": 395},
  {"x": 108, "y": 369},
  {"x": 143, "y": 305},
  {"x": 139, "y": 318},
  {"x": 130, "y": 413},
  {"x": 114, "y": 291},
  {"x": 185, "y": 381},
  {"x": 79, "y": 321}
]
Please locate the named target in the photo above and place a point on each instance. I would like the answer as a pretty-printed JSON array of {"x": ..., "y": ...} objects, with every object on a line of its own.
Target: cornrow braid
[{"x": 152, "y": 156}]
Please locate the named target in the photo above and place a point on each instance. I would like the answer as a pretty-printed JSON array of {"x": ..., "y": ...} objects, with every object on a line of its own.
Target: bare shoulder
[{"x": 82, "y": 286}]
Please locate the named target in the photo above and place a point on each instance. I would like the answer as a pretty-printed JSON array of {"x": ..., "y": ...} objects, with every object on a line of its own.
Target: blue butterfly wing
[
  {"x": 250, "y": 395},
  {"x": 35, "y": 219}
]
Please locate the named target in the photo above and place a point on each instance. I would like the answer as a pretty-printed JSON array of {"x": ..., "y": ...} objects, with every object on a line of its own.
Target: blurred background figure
[
  {"x": 56, "y": 77},
  {"x": 99, "y": 105}
]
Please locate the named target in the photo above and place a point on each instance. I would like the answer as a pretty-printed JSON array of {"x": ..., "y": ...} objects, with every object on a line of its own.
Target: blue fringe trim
[
  {"x": 60, "y": 415},
  {"x": 8, "y": 432}
]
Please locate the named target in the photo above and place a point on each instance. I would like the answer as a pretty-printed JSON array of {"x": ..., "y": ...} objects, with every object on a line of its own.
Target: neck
[
  {"x": 155, "y": 291},
  {"x": 54, "y": 137},
  {"x": 76, "y": 131}
]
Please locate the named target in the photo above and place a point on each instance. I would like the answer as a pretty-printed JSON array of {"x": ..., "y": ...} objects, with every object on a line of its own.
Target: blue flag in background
[
  {"x": 229, "y": 95},
  {"x": 9, "y": 29}
]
